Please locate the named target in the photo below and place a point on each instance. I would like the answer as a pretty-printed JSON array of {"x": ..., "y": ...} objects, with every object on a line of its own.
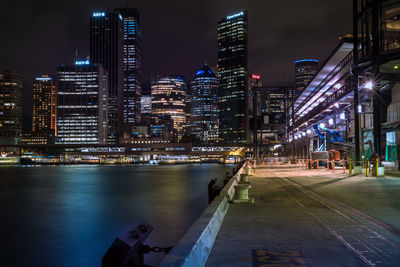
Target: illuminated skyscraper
[
  {"x": 44, "y": 106},
  {"x": 10, "y": 107},
  {"x": 132, "y": 64},
  {"x": 204, "y": 114},
  {"x": 168, "y": 98},
  {"x": 107, "y": 49},
  {"x": 82, "y": 104},
  {"x": 305, "y": 70},
  {"x": 232, "y": 78}
]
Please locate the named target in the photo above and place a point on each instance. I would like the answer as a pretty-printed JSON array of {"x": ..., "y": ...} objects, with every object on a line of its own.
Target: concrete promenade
[{"x": 312, "y": 218}]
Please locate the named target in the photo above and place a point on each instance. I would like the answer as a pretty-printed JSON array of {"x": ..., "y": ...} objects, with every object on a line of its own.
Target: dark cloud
[{"x": 179, "y": 35}]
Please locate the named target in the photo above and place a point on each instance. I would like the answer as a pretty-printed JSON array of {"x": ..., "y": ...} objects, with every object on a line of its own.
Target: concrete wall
[{"x": 195, "y": 246}]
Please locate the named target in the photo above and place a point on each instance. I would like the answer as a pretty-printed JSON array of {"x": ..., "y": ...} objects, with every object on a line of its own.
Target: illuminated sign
[
  {"x": 120, "y": 17},
  {"x": 255, "y": 76},
  {"x": 306, "y": 60},
  {"x": 82, "y": 62},
  {"x": 99, "y": 14},
  {"x": 43, "y": 79},
  {"x": 235, "y": 15}
]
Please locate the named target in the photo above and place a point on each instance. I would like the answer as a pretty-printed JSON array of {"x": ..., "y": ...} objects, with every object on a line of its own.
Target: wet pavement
[{"x": 312, "y": 218}]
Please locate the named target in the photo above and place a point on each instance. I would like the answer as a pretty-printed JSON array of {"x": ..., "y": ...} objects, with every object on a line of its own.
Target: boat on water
[{"x": 154, "y": 162}]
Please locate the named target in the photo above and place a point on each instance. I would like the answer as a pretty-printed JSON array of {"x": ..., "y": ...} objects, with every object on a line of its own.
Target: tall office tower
[
  {"x": 132, "y": 65},
  {"x": 232, "y": 78},
  {"x": 82, "y": 104},
  {"x": 10, "y": 107},
  {"x": 305, "y": 70},
  {"x": 107, "y": 49},
  {"x": 205, "y": 106},
  {"x": 44, "y": 106},
  {"x": 168, "y": 98}
]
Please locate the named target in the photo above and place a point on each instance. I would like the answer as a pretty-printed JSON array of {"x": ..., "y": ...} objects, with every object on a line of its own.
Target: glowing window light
[
  {"x": 342, "y": 116},
  {"x": 359, "y": 108}
]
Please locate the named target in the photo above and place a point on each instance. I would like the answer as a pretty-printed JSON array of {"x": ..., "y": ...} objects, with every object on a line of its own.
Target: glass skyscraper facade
[
  {"x": 145, "y": 103},
  {"x": 82, "y": 104},
  {"x": 132, "y": 64},
  {"x": 204, "y": 102},
  {"x": 107, "y": 49},
  {"x": 44, "y": 106},
  {"x": 305, "y": 70},
  {"x": 10, "y": 107},
  {"x": 168, "y": 98},
  {"x": 232, "y": 78}
]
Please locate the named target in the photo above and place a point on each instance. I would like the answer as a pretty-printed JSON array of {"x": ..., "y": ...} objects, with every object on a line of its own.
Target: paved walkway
[{"x": 312, "y": 218}]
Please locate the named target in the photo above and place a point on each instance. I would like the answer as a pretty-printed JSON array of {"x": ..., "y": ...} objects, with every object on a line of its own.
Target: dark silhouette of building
[
  {"x": 107, "y": 49},
  {"x": 305, "y": 70},
  {"x": 10, "y": 107},
  {"x": 232, "y": 78}
]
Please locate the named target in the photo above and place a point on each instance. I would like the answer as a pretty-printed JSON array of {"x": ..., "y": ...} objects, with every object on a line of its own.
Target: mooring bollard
[
  {"x": 367, "y": 169},
  {"x": 242, "y": 190},
  {"x": 350, "y": 167},
  {"x": 344, "y": 166},
  {"x": 247, "y": 170}
]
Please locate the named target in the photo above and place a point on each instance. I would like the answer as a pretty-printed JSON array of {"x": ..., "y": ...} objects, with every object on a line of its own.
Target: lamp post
[{"x": 255, "y": 124}]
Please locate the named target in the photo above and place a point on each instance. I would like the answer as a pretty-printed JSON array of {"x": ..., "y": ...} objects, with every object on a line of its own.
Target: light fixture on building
[
  {"x": 359, "y": 108},
  {"x": 322, "y": 125},
  {"x": 342, "y": 116},
  {"x": 369, "y": 85},
  {"x": 330, "y": 121},
  {"x": 308, "y": 131}
]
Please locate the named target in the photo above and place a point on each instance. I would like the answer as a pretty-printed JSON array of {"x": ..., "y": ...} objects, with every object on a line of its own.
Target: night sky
[{"x": 178, "y": 35}]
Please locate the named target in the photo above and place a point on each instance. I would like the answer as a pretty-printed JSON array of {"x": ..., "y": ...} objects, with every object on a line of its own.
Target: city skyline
[{"x": 294, "y": 38}]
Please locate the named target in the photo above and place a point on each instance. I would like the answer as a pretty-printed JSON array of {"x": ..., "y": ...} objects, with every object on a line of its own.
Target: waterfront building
[
  {"x": 82, "y": 103},
  {"x": 168, "y": 98},
  {"x": 325, "y": 102},
  {"x": 305, "y": 70},
  {"x": 233, "y": 78},
  {"x": 107, "y": 49},
  {"x": 377, "y": 70},
  {"x": 272, "y": 104},
  {"x": 44, "y": 107},
  {"x": 132, "y": 65},
  {"x": 10, "y": 107},
  {"x": 204, "y": 105}
]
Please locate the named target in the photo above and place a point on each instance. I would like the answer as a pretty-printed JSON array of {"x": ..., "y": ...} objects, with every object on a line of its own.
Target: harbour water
[{"x": 70, "y": 215}]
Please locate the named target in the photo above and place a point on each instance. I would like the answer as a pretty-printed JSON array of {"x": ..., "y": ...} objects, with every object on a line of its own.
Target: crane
[{"x": 334, "y": 136}]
